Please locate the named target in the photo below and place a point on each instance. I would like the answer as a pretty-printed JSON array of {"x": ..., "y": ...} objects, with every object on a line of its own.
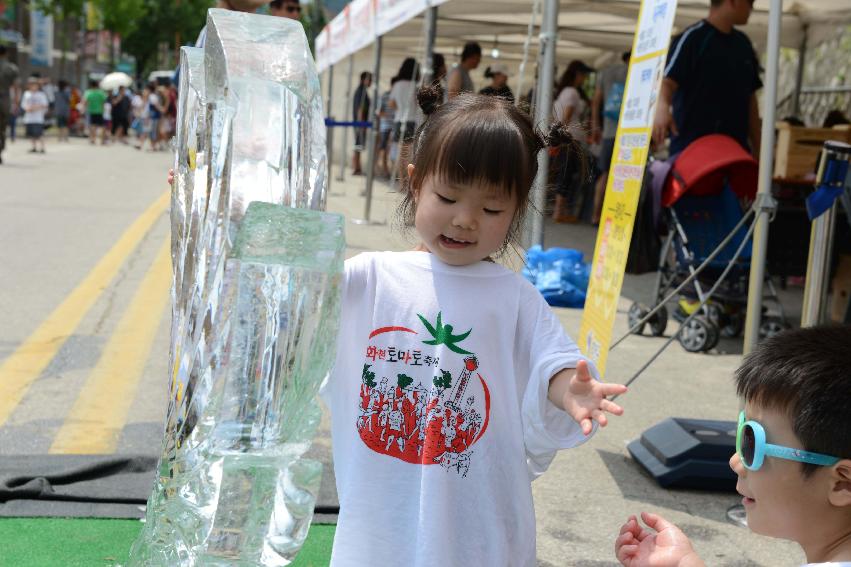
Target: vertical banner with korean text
[
  {"x": 632, "y": 143},
  {"x": 41, "y": 39}
]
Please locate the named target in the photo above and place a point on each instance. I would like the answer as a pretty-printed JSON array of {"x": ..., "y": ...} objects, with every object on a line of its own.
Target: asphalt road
[{"x": 83, "y": 295}]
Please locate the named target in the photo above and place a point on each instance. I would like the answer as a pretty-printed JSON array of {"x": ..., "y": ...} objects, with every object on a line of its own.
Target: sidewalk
[{"x": 589, "y": 491}]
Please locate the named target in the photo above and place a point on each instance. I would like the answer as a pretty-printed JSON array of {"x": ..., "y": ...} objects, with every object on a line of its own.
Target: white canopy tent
[{"x": 588, "y": 29}]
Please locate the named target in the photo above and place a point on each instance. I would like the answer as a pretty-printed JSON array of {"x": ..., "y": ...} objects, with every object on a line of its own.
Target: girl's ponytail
[
  {"x": 559, "y": 139},
  {"x": 430, "y": 98},
  {"x": 558, "y": 135}
]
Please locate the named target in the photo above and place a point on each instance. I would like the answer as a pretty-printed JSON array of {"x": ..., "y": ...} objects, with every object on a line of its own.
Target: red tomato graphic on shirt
[{"x": 417, "y": 407}]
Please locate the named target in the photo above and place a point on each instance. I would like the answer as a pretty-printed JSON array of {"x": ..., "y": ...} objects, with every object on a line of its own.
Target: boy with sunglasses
[{"x": 793, "y": 454}]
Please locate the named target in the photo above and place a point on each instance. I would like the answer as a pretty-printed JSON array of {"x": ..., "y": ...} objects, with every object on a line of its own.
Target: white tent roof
[{"x": 593, "y": 30}]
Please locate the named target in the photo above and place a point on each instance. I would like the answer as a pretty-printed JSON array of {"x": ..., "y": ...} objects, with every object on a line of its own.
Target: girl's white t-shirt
[
  {"x": 569, "y": 98},
  {"x": 439, "y": 409},
  {"x": 404, "y": 94}
]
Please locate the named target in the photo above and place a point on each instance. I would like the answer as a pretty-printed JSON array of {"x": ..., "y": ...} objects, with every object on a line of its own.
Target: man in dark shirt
[
  {"x": 8, "y": 95},
  {"x": 710, "y": 81},
  {"x": 360, "y": 113}
]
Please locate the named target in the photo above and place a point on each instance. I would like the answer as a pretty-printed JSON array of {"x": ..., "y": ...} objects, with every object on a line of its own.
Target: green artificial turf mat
[{"x": 83, "y": 542}]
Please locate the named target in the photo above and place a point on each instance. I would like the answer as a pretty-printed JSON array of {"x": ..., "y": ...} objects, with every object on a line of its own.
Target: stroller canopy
[{"x": 707, "y": 165}]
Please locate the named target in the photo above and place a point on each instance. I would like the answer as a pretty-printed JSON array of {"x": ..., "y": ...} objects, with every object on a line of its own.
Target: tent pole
[
  {"x": 330, "y": 93},
  {"x": 821, "y": 237},
  {"x": 345, "y": 145},
  {"x": 799, "y": 75},
  {"x": 544, "y": 90},
  {"x": 329, "y": 132},
  {"x": 766, "y": 163},
  {"x": 430, "y": 33},
  {"x": 371, "y": 136}
]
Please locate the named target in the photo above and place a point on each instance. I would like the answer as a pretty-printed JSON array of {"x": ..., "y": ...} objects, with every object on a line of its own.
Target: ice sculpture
[{"x": 255, "y": 301}]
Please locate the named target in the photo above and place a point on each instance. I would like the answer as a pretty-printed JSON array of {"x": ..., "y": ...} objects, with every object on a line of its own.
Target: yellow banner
[{"x": 632, "y": 142}]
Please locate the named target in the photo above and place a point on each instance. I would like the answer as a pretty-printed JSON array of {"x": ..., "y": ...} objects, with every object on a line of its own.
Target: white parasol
[{"x": 115, "y": 80}]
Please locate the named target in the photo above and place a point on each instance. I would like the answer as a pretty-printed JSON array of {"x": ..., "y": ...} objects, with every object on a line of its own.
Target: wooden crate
[{"x": 798, "y": 148}]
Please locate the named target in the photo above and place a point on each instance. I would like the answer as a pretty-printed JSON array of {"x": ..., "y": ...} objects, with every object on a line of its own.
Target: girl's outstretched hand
[
  {"x": 667, "y": 546},
  {"x": 585, "y": 398}
]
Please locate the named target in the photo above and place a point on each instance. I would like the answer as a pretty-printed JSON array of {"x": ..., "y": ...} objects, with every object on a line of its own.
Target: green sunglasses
[{"x": 752, "y": 448}]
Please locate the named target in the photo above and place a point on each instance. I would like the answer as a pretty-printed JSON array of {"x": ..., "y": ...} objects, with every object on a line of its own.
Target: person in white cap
[{"x": 498, "y": 74}]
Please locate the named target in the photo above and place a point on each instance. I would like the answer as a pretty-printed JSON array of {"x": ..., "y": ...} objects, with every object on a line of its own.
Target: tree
[
  {"x": 164, "y": 21},
  {"x": 121, "y": 16},
  {"x": 59, "y": 9},
  {"x": 313, "y": 20}
]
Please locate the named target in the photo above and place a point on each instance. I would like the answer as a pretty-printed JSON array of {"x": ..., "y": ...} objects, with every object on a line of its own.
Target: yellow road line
[
  {"x": 95, "y": 421},
  {"x": 24, "y": 365}
]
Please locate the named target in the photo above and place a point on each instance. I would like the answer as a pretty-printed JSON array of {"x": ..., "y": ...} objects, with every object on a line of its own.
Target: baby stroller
[{"x": 701, "y": 203}]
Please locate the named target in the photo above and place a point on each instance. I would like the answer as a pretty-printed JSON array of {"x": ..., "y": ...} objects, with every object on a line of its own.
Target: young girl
[{"x": 454, "y": 383}]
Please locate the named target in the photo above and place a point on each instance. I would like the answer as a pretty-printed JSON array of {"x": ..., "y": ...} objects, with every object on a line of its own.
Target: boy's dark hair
[
  {"x": 476, "y": 139},
  {"x": 2, "y": 50},
  {"x": 807, "y": 374},
  {"x": 364, "y": 75},
  {"x": 277, "y": 4},
  {"x": 470, "y": 49},
  {"x": 93, "y": 84}
]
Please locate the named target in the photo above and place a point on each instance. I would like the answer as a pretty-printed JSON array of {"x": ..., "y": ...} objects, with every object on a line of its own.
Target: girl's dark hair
[
  {"x": 568, "y": 78},
  {"x": 476, "y": 139},
  {"x": 409, "y": 70}
]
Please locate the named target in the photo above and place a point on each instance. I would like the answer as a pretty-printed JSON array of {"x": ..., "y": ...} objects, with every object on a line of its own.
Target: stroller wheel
[
  {"x": 713, "y": 313},
  {"x": 770, "y": 326},
  {"x": 698, "y": 335},
  {"x": 715, "y": 336},
  {"x": 637, "y": 312},
  {"x": 658, "y": 322}
]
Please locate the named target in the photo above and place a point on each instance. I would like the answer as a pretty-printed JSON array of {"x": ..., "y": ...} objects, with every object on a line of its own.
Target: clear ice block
[
  {"x": 243, "y": 495},
  {"x": 256, "y": 297}
]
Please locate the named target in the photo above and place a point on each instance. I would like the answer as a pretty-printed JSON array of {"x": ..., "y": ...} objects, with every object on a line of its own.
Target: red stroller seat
[{"x": 706, "y": 165}]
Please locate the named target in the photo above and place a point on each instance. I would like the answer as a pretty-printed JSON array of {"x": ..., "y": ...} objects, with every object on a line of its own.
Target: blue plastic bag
[{"x": 559, "y": 274}]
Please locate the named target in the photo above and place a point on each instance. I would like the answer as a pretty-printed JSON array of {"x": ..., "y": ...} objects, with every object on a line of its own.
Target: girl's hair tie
[{"x": 559, "y": 136}]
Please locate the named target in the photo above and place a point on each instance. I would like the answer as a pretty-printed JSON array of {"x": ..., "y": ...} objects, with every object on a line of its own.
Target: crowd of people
[
  {"x": 143, "y": 117},
  {"x": 590, "y": 115}
]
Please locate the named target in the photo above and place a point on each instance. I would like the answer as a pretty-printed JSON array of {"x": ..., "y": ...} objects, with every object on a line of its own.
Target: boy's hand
[
  {"x": 667, "y": 547},
  {"x": 170, "y": 177},
  {"x": 577, "y": 393}
]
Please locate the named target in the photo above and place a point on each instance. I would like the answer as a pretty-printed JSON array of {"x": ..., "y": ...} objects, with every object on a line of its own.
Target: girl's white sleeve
[{"x": 546, "y": 428}]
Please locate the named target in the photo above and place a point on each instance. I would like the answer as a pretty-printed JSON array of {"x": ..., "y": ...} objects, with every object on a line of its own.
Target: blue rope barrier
[{"x": 330, "y": 123}]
